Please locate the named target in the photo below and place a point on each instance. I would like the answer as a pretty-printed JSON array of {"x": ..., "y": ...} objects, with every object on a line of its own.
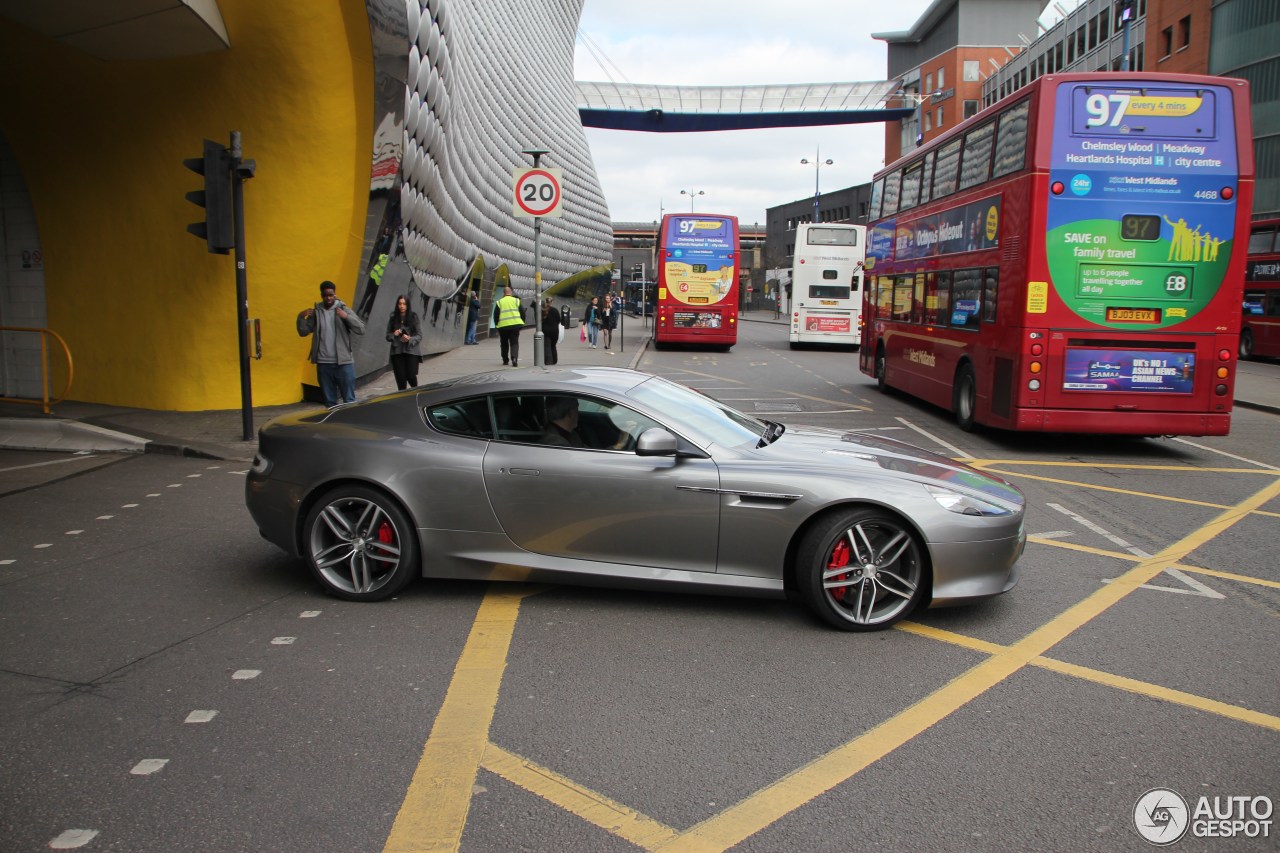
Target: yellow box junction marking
[{"x": 433, "y": 815}]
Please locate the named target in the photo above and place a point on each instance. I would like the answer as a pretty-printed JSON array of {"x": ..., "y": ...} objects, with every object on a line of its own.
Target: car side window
[{"x": 465, "y": 417}]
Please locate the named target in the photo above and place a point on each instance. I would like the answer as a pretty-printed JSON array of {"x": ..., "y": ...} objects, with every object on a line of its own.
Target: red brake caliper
[
  {"x": 386, "y": 533},
  {"x": 839, "y": 559}
]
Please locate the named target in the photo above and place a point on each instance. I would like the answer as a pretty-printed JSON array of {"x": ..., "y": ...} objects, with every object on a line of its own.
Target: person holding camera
[
  {"x": 331, "y": 323},
  {"x": 404, "y": 333}
]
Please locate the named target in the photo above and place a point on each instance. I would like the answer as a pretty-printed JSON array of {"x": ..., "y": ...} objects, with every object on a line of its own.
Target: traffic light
[{"x": 215, "y": 198}]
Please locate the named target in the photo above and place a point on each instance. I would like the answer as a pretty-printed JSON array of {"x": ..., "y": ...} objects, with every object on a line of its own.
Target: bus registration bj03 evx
[{"x": 1069, "y": 259}]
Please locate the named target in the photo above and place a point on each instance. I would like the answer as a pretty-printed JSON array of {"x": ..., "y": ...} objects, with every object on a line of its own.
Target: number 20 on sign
[{"x": 537, "y": 192}]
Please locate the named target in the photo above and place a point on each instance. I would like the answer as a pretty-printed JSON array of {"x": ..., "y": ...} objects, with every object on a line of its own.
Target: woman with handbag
[
  {"x": 591, "y": 320},
  {"x": 405, "y": 335}
]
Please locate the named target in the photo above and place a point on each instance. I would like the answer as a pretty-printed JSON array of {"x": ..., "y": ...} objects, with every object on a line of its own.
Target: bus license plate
[{"x": 1133, "y": 315}]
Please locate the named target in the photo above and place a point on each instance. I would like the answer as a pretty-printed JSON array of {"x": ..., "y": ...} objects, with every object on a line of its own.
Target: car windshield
[{"x": 697, "y": 416}]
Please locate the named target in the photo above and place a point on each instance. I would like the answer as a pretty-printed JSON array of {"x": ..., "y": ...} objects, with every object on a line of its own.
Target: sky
[{"x": 723, "y": 43}]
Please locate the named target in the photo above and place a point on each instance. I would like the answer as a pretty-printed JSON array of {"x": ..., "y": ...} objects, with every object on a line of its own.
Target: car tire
[
  {"x": 359, "y": 544},
  {"x": 862, "y": 570},
  {"x": 1246, "y": 345},
  {"x": 882, "y": 383},
  {"x": 964, "y": 398}
]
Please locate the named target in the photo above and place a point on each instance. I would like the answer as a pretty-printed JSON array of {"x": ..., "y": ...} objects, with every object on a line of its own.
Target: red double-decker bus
[
  {"x": 1066, "y": 260},
  {"x": 697, "y": 280},
  {"x": 1260, "y": 322}
]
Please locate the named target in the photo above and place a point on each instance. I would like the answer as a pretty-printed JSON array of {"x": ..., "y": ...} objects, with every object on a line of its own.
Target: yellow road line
[
  {"x": 1133, "y": 558},
  {"x": 611, "y": 816},
  {"x": 1099, "y": 466},
  {"x": 434, "y": 812},
  {"x": 1098, "y": 676},
  {"x": 769, "y": 804}
]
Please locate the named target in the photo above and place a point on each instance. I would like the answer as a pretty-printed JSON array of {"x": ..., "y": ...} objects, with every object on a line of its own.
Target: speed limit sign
[{"x": 537, "y": 192}]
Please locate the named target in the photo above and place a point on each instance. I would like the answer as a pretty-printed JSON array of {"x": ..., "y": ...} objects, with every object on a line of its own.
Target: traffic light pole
[{"x": 238, "y": 169}]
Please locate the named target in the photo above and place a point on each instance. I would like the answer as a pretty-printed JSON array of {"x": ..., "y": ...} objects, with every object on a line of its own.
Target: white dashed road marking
[
  {"x": 200, "y": 716},
  {"x": 245, "y": 674},
  {"x": 70, "y": 839},
  {"x": 147, "y": 766}
]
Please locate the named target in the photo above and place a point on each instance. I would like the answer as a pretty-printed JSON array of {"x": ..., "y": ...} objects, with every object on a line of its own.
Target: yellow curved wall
[{"x": 149, "y": 315}]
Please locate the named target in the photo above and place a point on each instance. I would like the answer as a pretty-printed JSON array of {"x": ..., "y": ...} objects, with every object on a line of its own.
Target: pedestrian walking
[
  {"x": 508, "y": 320},
  {"x": 608, "y": 320},
  {"x": 331, "y": 323},
  {"x": 591, "y": 321},
  {"x": 473, "y": 317},
  {"x": 551, "y": 332},
  {"x": 405, "y": 336}
]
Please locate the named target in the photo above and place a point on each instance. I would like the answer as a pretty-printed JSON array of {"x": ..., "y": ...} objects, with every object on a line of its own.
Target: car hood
[{"x": 856, "y": 451}]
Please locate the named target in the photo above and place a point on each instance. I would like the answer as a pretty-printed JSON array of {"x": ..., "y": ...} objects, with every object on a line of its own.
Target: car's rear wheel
[
  {"x": 1246, "y": 344},
  {"x": 862, "y": 570},
  {"x": 360, "y": 544}
]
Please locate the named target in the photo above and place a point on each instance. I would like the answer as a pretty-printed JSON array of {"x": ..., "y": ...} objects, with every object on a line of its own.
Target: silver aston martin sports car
[{"x": 614, "y": 477}]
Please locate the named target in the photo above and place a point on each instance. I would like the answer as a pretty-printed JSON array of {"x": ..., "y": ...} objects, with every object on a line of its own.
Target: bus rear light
[
  {"x": 1035, "y": 367},
  {"x": 1220, "y": 390},
  {"x": 1223, "y": 373},
  {"x": 1036, "y": 349},
  {"x": 1033, "y": 385},
  {"x": 1227, "y": 192},
  {"x": 1224, "y": 355},
  {"x": 1057, "y": 188}
]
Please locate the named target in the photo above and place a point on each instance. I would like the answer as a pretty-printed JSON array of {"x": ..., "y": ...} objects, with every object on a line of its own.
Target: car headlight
[{"x": 965, "y": 504}]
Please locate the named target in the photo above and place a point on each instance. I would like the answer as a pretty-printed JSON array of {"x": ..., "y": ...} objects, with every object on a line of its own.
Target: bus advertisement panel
[
  {"x": 1260, "y": 321},
  {"x": 697, "y": 280},
  {"x": 826, "y": 279},
  {"x": 1066, "y": 259}
]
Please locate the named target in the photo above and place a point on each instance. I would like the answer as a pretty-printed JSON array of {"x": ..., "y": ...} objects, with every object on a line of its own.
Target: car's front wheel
[
  {"x": 862, "y": 570},
  {"x": 360, "y": 544}
]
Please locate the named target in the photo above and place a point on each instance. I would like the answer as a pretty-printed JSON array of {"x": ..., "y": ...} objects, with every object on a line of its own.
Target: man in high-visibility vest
[{"x": 508, "y": 320}]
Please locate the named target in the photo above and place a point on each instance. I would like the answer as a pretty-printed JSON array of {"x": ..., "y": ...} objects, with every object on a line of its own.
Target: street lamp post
[
  {"x": 817, "y": 169},
  {"x": 691, "y": 194}
]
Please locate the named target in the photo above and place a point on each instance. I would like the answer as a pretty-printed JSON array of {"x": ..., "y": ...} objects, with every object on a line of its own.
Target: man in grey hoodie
[{"x": 332, "y": 323}]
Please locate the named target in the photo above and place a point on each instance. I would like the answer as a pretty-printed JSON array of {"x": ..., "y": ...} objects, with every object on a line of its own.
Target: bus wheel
[
  {"x": 1246, "y": 344},
  {"x": 964, "y": 399},
  {"x": 881, "y": 383}
]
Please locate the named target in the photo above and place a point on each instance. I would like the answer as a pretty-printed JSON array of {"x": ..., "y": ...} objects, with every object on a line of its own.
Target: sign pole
[{"x": 537, "y": 194}]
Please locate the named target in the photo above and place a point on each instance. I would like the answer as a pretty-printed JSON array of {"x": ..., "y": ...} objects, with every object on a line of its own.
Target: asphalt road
[{"x": 169, "y": 681}]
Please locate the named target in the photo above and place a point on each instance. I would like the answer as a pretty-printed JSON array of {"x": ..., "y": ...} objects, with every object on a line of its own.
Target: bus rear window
[
  {"x": 819, "y": 236},
  {"x": 828, "y": 291}
]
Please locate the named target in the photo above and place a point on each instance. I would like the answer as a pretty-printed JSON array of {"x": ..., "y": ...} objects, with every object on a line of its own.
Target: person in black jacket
[
  {"x": 405, "y": 335},
  {"x": 551, "y": 330}
]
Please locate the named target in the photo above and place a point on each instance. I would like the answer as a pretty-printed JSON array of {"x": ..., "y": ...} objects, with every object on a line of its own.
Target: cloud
[{"x": 718, "y": 43}]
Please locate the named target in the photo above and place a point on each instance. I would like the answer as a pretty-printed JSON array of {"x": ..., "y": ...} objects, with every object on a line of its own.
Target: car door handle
[{"x": 526, "y": 472}]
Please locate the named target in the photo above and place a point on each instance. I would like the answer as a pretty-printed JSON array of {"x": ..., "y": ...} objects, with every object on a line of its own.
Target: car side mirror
[{"x": 656, "y": 441}]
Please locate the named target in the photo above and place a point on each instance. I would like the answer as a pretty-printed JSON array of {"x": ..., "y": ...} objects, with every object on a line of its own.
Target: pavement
[{"x": 90, "y": 427}]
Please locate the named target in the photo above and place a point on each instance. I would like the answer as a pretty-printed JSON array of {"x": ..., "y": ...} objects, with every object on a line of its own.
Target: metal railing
[{"x": 45, "y": 400}]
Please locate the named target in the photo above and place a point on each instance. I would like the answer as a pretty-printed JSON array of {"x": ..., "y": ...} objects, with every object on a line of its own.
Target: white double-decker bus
[{"x": 826, "y": 284}]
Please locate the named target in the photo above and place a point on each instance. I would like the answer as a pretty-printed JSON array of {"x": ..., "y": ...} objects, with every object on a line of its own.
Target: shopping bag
[{"x": 582, "y": 333}]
